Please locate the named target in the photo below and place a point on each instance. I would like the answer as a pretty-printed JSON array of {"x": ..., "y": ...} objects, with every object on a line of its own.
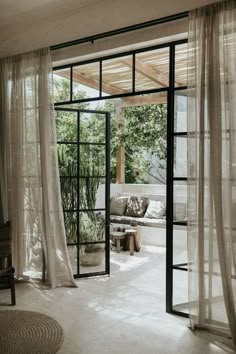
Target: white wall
[
  {"x": 180, "y": 192},
  {"x": 26, "y": 25}
]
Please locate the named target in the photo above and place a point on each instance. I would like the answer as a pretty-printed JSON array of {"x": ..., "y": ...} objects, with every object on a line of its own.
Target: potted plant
[
  {"x": 92, "y": 224},
  {"x": 92, "y": 229}
]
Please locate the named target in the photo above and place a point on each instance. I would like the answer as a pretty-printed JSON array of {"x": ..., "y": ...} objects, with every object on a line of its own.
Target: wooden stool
[
  {"x": 132, "y": 241},
  {"x": 117, "y": 236}
]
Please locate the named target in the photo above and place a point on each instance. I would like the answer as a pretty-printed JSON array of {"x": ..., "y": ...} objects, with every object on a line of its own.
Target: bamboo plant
[{"x": 92, "y": 224}]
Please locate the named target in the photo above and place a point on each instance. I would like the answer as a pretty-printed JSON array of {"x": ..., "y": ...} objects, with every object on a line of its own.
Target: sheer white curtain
[
  {"x": 212, "y": 167},
  {"x": 30, "y": 191}
]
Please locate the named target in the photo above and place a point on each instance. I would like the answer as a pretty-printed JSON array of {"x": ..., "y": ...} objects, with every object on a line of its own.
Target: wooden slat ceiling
[{"x": 152, "y": 72}]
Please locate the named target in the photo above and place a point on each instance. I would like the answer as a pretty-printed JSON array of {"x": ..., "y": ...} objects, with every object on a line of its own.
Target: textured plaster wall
[{"x": 55, "y": 21}]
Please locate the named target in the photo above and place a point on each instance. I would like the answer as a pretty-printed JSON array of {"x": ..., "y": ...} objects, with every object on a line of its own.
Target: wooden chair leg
[{"x": 12, "y": 286}]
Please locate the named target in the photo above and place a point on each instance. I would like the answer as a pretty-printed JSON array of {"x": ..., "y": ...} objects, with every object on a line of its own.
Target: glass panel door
[
  {"x": 84, "y": 165},
  {"x": 176, "y": 213}
]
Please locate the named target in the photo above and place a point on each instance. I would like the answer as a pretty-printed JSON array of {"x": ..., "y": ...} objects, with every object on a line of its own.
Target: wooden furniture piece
[
  {"x": 7, "y": 280},
  {"x": 132, "y": 241},
  {"x": 117, "y": 236},
  {"x": 128, "y": 237}
]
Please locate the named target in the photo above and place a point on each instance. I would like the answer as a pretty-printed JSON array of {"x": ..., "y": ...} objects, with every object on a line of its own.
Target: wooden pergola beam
[
  {"x": 88, "y": 81},
  {"x": 154, "y": 98},
  {"x": 146, "y": 70},
  {"x": 91, "y": 82}
]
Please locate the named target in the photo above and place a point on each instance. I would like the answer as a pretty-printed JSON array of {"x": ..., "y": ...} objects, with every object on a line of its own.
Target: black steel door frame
[
  {"x": 170, "y": 222},
  {"x": 171, "y": 91},
  {"x": 107, "y": 190}
]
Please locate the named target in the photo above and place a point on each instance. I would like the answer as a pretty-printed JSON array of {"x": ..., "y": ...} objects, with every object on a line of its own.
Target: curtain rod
[{"x": 120, "y": 31}]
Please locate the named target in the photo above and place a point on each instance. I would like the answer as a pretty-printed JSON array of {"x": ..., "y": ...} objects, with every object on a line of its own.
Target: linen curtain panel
[
  {"x": 30, "y": 191},
  {"x": 212, "y": 167}
]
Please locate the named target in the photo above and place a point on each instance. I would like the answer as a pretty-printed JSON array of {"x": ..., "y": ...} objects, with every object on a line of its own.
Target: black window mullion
[
  {"x": 92, "y": 176},
  {"x": 71, "y": 83},
  {"x": 180, "y": 178},
  {"x": 107, "y": 195},
  {"x": 78, "y": 194},
  {"x": 180, "y": 223},
  {"x": 71, "y": 243},
  {"x": 133, "y": 73},
  {"x": 91, "y": 143},
  {"x": 84, "y": 210},
  {"x": 180, "y": 88},
  {"x": 92, "y": 274},
  {"x": 169, "y": 186},
  {"x": 92, "y": 242},
  {"x": 67, "y": 142},
  {"x": 128, "y": 94},
  {"x": 180, "y": 134},
  {"x": 100, "y": 78}
]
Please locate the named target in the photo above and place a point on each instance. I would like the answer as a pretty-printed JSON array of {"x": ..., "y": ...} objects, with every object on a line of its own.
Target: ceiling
[
  {"x": 29, "y": 24},
  {"x": 15, "y": 12}
]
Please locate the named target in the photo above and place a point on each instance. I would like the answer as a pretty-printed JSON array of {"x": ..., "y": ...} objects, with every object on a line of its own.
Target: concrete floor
[{"x": 122, "y": 314}]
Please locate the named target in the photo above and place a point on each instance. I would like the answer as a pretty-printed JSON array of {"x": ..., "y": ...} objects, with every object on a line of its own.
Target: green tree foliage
[
  {"x": 62, "y": 91},
  {"x": 145, "y": 135}
]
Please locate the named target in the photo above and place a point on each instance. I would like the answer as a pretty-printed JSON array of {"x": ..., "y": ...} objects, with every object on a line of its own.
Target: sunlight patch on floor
[
  {"x": 129, "y": 263},
  {"x": 154, "y": 249}
]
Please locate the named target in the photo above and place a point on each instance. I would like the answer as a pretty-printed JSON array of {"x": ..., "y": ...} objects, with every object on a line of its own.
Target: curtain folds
[
  {"x": 212, "y": 167},
  {"x": 29, "y": 177}
]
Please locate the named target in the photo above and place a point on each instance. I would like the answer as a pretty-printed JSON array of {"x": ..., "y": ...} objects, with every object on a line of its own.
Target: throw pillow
[
  {"x": 136, "y": 206},
  {"x": 155, "y": 210},
  {"x": 118, "y": 205}
]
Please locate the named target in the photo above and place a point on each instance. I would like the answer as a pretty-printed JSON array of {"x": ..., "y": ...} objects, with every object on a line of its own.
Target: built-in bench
[
  {"x": 129, "y": 220},
  {"x": 152, "y": 230}
]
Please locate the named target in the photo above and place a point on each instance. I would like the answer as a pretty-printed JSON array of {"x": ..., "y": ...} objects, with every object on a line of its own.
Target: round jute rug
[{"x": 29, "y": 332}]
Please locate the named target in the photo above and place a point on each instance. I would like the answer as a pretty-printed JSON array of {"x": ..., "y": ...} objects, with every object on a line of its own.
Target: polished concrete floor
[{"x": 120, "y": 314}]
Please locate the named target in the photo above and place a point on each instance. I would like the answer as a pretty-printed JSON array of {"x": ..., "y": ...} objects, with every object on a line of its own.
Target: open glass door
[{"x": 84, "y": 165}]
